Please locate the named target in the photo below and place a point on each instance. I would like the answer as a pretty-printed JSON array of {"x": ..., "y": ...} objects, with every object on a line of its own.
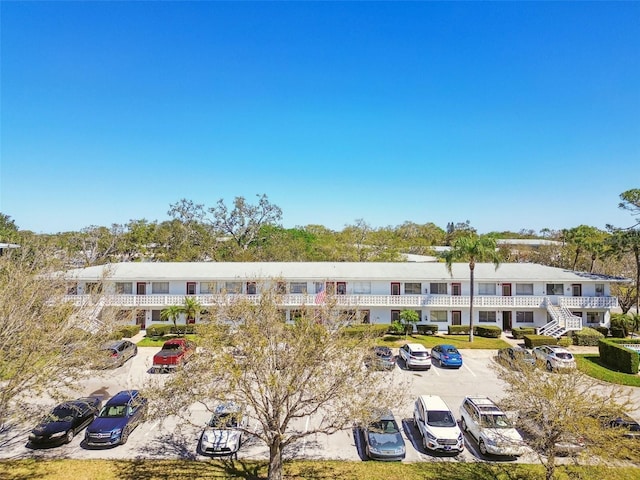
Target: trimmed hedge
[
  {"x": 587, "y": 337},
  {"x": 428, "y": 329},
  {"x": 618, "y": 357},
  {"x": 603, "y": 330},
  {"x": 158, "y": 329},
  {"x": 565, "y": 341},
  {"x": 531, "y": 341},
  {"x": 520, "y": 332},
  {"x": 458, "y": 329},
  {"x": 125, "y": 331},
  {"x": 618, "y": 332},
  {"x": 488, "y": 331},
  {"x": 366, "y": 329}
]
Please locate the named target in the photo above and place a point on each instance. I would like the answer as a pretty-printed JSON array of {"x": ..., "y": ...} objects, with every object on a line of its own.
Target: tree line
[{"x": 245, "y": 231}]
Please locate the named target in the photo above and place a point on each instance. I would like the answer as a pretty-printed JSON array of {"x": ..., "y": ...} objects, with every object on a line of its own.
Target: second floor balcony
[{"x": 355, "y": 301}]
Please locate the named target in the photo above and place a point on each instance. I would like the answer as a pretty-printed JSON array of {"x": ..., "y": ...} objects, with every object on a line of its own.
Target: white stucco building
[{"x": 513, "y": 295}]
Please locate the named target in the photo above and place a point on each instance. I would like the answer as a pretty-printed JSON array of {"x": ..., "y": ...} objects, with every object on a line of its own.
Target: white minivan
[{"x": 437, "y": 425}]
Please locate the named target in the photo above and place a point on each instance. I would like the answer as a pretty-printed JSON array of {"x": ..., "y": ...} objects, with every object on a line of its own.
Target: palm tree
[
  {"x": 192, "y": 308},
  {"x": 172, "y": 313},
  {"x": 472, "y": 248}
]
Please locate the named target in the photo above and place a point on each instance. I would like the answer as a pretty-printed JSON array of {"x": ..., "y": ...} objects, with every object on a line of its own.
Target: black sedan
[{"x": 62, "y": 423}]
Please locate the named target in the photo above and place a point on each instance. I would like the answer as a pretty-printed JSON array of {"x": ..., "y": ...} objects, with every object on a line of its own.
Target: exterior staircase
[
  {"x": 562, "y": 321},
  {"x": 88, "y": 317}
]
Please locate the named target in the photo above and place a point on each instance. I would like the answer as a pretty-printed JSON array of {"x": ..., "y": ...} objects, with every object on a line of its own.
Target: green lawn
[
  {"x": 591, "y": 365},
  {"x": 459, "y": 341},
  {"x": 63, "y": 469}
]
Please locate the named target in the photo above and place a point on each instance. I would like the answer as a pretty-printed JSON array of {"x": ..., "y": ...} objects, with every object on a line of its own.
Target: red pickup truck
[{"x": 174, "y": 352}]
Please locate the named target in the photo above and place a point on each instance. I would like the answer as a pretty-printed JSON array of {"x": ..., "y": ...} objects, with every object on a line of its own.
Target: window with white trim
[
  {"x": 486, "y": 317},
  {"x": 124, "y": 288},
  {"x": 233, "y": 287},
  {"x": 438, "y": 288},
  {"x": 524, "y": 288},
  {"x": 412, "y": 288},
  {"x": 438, "y": 315},
  {"x": 298, "y": 287},
  {"x": 361, "y": 287},
  {"x": 555, "y": 289},
  {"x": 599, "y": 289},
  {"x": 594, "y": 317},
  {"x": 207, "y": 287},
  {"x": 524, "y": 317},
  {"x": 486, "y": 289},
  {"x": 160, "y": 287}
]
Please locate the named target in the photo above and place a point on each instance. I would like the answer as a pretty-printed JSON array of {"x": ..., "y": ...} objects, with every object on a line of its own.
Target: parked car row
[
  {"x": 552, "y": 357},
  {"x": 417, "y": 356},
  {"x": 106, "y": 425}
]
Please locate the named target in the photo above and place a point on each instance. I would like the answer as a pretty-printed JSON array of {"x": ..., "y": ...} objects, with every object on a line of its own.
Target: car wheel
[
  {"x": 463, "y": 424},
  {"x": 483, "y": 447},
  {"x": 124, "y": 437},
  {"x": 69, "y": 436},
  {"x": 549, "y": 367}
]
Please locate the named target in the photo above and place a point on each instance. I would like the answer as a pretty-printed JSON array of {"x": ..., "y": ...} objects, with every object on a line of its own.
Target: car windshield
[
  {"x": 386, "y": 352},
  {"x": 172, "y": 346},
  {"x": 440, "y": 419},
  {"x": 451, "y": 350},
  {"x": 61, "y": 414},
  {"x": 113, "y": 411},
  {"x": 495, "y": 421},
  {"x": 224, "y": 420},
  {"x": 384, "y": 426}
]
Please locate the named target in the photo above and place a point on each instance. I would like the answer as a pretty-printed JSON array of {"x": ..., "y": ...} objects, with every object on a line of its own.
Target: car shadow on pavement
[{"x": 358, "y": 438}]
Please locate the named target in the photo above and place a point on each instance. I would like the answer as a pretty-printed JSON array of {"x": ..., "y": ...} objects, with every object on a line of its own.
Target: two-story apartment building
[{"x": 514, "y": 294}]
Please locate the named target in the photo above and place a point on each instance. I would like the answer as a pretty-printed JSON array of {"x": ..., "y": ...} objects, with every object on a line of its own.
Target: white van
[{"x": 437, "y": 425}]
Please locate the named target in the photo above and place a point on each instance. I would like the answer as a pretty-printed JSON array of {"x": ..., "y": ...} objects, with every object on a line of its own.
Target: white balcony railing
[{"x": 409, "y": 301}]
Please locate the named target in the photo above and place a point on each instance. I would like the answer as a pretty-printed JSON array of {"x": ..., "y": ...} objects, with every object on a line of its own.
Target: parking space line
[
  {"x": 470, "y": 371},
  {"x": 152, "y": 428},
  {"x": 435, "y": 370}
]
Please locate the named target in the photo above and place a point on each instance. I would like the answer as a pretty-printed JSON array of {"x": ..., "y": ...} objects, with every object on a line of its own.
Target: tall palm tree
[
  {"x": 472, "y": 249},
  {"x": 172, "y": 313}
]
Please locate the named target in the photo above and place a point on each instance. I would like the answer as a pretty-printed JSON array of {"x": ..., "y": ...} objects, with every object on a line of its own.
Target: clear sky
[{"x": 510, "y": 115}]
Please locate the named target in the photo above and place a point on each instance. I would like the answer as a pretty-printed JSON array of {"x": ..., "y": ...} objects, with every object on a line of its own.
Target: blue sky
[{"x": 509, "y": 115}]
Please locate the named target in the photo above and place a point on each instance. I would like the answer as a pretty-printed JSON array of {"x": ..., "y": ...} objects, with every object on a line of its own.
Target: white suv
[
  {"x": 490, "y": 427},
  {"x": 415, "y": 355},
  {"x": 437, "y": 425}
]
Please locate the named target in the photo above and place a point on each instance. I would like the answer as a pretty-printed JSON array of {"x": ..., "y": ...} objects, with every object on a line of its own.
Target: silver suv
[
  {"x": 437, "y": 425},
  {"x": 490, "y": 427},
  {"x": 415, "y": 355}
]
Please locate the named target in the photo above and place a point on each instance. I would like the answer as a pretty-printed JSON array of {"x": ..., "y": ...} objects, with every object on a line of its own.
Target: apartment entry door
[
  {"x": 506, "y": 321},
  {"x": 456, "y": 317}
]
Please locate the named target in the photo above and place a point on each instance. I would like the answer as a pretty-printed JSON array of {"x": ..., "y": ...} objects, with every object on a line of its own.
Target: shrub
[
  {"x": 364, "y": 329},
  {"x": 619, "y": 321},
  {"x": 586, "y": 337},
  {"x": 603, "y": 330},
  {"x": 458, "y": 329},
  {"x": 128, "y": 331},
  {"x": 618, "y": 357},
  {"x": 520, "y": 332},
  {"x": 488, "y": 331},
  {"x": 531, "y": 341},
  {"x": 428, "y": 329},
  {"x": 617, "y": 332},
  {"x": 158, "y": 330},
  {"x": 183, "y": 329},
  {"x": 565, "y": 341}
]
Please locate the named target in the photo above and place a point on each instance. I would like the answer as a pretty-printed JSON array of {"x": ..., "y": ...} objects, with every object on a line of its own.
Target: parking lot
[{"x": 173, "y": 438}]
